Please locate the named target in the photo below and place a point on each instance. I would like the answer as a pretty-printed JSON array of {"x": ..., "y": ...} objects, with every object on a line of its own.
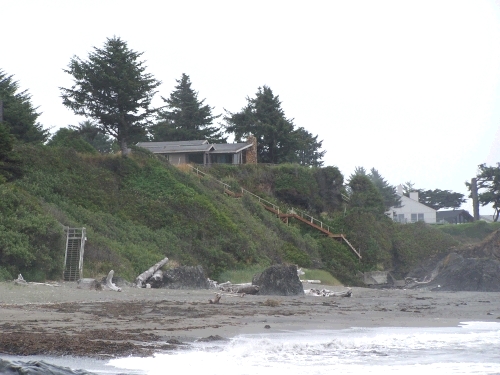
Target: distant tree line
[{"x": 112, "y": 88}]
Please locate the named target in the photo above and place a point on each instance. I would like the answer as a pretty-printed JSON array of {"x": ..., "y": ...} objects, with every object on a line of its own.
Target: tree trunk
[
  {"x": 124, "y": 148},
  {"x": 475, "y": 200},
  {"x": 147, "y": 274}
]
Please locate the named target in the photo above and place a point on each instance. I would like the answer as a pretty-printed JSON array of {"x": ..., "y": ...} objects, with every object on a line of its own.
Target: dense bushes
[
  {"x": 30, "y": 239},
  {"x": 314, "y": 189},
  {"x": 139, "y": 209}
]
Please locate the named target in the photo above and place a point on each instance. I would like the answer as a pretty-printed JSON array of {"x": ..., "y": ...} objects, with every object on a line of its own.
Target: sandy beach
[{"x": 65, "y": 320}]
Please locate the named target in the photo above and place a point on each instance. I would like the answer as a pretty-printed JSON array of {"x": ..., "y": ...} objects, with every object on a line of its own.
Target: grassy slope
[
  {"x": 140, "y": 209},
  {"x": 470, "y": 233}
]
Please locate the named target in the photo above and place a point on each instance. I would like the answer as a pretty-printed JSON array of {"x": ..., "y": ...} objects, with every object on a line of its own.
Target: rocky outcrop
[
  {"x": 457, "y": 273},
  {"x": 470, "y": 268},
  {"x": 185, "y": 277},
  {"x": 36, "y": 368},
  {"x": 279, "y": 280}
]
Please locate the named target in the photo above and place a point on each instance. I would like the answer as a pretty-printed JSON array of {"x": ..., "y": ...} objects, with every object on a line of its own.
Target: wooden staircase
[
  {"x": 271, "y": 207},
  {"x": 311, "y": 222},
  {"x": 73, "y": 259}
]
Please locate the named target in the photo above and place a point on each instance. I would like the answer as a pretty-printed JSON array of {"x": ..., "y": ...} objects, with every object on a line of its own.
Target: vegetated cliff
[{"x": 139, "y": 209}]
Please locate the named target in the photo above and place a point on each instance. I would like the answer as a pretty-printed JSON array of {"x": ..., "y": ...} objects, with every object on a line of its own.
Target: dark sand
[{"x": 40, "y": 319}]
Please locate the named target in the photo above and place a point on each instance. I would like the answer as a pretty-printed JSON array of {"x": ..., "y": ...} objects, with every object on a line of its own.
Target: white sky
[{"x": 411, "y": 88}]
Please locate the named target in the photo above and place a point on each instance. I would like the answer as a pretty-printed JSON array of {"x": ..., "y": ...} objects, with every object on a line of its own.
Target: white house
[{"x": 411, "y": 210}]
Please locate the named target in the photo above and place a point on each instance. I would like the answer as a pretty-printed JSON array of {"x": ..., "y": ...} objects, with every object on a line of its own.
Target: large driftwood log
[
  {"x": 143, "y": 277},
  {"x": 91, "y": 284},
  {"x": 110, "y": 284},
  {"x": 158, "y": 275},
  {"x": 248, "y": 289},
  {"x": 156, "y": 281}
]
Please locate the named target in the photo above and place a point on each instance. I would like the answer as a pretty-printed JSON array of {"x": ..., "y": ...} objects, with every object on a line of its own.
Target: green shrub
[
  {"x": 293, "y": 255},
  {"x": 5, "y": 274}
]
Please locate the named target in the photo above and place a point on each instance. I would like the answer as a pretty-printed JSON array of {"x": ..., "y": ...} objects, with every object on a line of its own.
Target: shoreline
[{"x": 55, "y": 321}]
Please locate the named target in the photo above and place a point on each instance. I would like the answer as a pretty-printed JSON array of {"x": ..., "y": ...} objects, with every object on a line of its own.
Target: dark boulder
[
  {"x": 279, "y": 280},
  {"x": 36, "y": 368},
  {"x": 185, "y": 277}
]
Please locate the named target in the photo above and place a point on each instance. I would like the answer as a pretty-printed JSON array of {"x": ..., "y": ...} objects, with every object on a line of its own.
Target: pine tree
[
  {"x": 9, "y": 163},
  {"x": 308, "y": 150},
  {"x": 112, "y": 88},
  {"x": 19, "y": 114},
  {"x": 277, "y": 139},
  {"x": 388, "y": 192},
  {"x": 364, "y": 196},
  {"x": 186, "y": 118}
]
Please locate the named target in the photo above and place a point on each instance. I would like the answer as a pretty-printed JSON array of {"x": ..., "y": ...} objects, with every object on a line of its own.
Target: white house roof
[{"x": 404, "y": 198}]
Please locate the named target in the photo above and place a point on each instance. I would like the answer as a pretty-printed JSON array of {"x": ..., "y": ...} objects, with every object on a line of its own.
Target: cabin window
[{"x": 195, "y": 158}]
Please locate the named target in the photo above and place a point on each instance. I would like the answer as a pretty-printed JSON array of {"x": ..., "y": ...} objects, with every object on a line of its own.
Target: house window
[
  {"x": 222, "y": 158},
  {"x": 401, "y": 218},
  {"x": 417, "y": 217},
  {"x": 196, "y": 158}
]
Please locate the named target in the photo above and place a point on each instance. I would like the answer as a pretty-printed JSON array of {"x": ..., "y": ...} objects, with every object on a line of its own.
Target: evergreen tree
[
  {"x": 186, "y": 118},
  {"x": 112, "y": 88},
  {"x": 358, "y": 171},
  {"x": 19, "y": 115},
  {"x": 70, "y": 138},
  {"x": 308, "y": 150},
  {"x": 388, "y": 192},
  {"x": 277, "y": 139},
  {"x": 331, "y": 186},
  {"x": 364, "y": 196},
  {"x": 91, "y": 133},
  {"x": 438, "y": 198},
  {"x": 9, "y": 164},
  {"x": 408, "y": 187},
  {"x": 488, "y": 184}
]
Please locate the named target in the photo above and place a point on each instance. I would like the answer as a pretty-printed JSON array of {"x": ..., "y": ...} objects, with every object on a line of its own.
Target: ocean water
[{"x": 471, "y": 348}]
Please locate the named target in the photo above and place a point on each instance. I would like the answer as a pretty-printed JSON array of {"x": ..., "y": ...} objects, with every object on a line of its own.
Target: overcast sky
[{"x": 408, "y": 87}]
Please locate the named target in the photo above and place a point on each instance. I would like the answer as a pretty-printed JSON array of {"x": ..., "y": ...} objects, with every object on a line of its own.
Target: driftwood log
[
  {"x": 158, "y": 276},
  {"x": 248, "y": 289},
  {"x": 217, "y": 298},
  {"x": 110, "y": 284},
  {"x": 329, "y": 293},
  {"x": 91, "y": 284},
  {"x": 143, "y": 277}
]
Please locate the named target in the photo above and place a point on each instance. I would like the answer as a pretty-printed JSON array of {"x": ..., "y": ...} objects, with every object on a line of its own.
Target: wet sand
[{"x": 65, "y": 320}]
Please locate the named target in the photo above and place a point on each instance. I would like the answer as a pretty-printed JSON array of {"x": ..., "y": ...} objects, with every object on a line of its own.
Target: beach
[{"x": 64, "y": 320}]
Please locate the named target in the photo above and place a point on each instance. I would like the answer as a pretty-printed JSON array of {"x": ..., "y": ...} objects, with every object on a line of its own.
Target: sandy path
[{"x": 38, "y": 319}]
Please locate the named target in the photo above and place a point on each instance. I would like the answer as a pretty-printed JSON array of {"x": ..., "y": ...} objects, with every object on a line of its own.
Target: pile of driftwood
[
  {"x": 153, "y": 274},
  {"x": 246, "y": 288},
  {"x": 328, "y": 293},
  {"x": 20, "y": 281},
  {"x": 97, "y": 285}
]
